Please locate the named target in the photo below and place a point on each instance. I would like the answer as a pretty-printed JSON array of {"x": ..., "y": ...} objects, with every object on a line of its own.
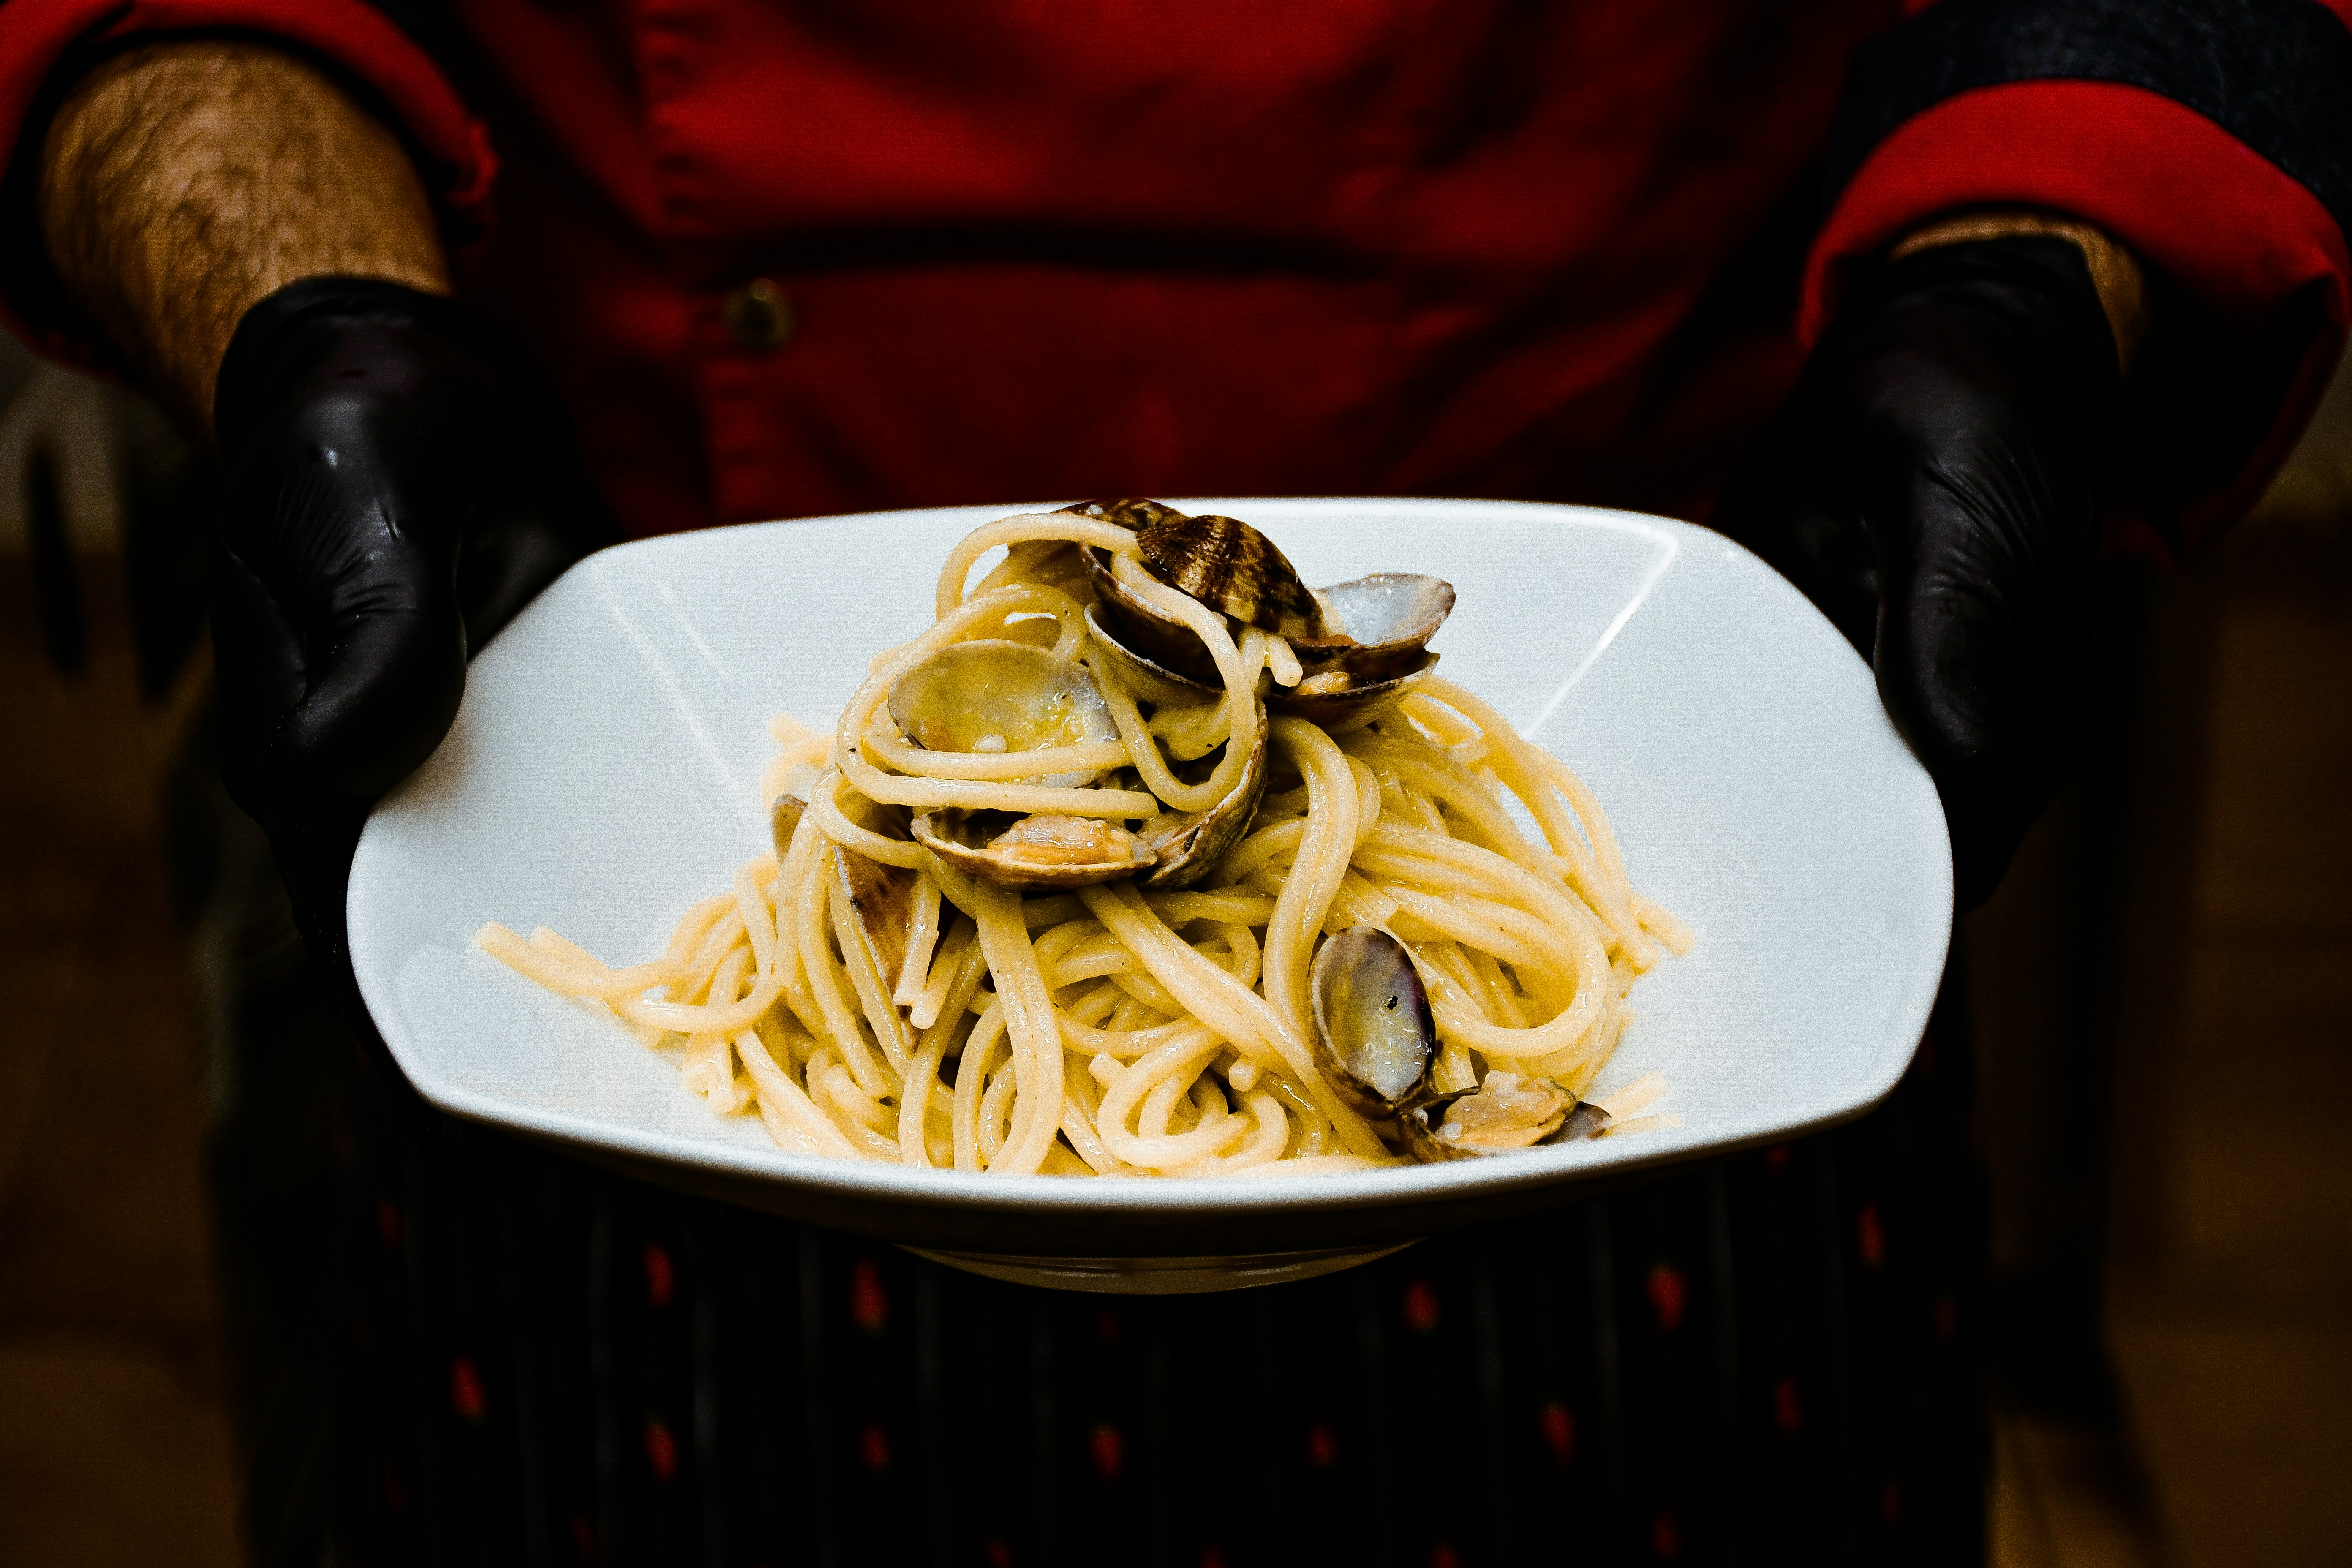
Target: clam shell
[
  {"x": 1235, "y": 569},
  {"x": 783, "y": 821},
  {"x": 1145, "y": 679},
  {"x": 1377, "y": 625},
  {"x": 1131, "y": 512},
  {"x": 1545, "y": 1112},
  {"x": 1040, "y": 851},
  {"x": 1191, "y": 844},
  {"x": 1020, "y": 697},
  {"x": 1333, "y": 699},
  {"x": 1339, "y": 702},
  {"x": 883, "y": 897},
  {"x": 1373, "y": 658},
  {"x": 1587, "y": 1121},
  {"x": 1375, "y": 1037},
  {"x": 1139, "y": 628},
  {"x": 1422, "y": 1141}
]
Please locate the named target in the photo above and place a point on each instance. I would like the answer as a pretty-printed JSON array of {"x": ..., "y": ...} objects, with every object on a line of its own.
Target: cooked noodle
[{"x": 1111, "y": 1030}]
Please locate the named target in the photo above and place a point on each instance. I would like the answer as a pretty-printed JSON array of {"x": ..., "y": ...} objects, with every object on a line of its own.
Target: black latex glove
[
  {"x": 398, "y": 483},
  {"x": 1932, "y": 485}
]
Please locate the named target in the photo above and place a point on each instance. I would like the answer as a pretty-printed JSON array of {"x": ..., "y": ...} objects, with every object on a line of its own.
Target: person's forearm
[{"x": 183, "y": 183}]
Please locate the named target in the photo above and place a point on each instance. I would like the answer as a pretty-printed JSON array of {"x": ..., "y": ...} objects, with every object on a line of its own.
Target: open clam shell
[
  {"x": 1151, "y": 681},
  {"x": 1363, "y": 636},
  {"x": 1333, "y": 697},
  {"x": 1222, "y": 562},
  {"x": 1122, "y": 616},
  {"x": 1375, "y": 1037},
  {"x": 1039, "y": 851},
  {"x": 1376, "y": 626},
  {"x": 994, "y": 694},
  {"x": 1502, "y": 1115},
  {"x": 1339, "y": 701},
  {"x": 1190, "y": 844}
]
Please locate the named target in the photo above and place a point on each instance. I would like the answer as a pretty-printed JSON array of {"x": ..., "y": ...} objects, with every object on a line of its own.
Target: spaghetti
[{"x": 932, "y": 966}]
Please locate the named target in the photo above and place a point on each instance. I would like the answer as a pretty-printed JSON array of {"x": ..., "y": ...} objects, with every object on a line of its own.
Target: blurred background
[{"x": 2163, "y": 997}]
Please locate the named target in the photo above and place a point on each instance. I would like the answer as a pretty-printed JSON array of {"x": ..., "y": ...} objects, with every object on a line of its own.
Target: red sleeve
[
  {"x": 348, "y": 36},
  {"x": 2250, "y": 244}
]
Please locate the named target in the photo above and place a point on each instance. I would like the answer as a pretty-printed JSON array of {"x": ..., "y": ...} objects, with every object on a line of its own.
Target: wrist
[
  {"x": 2115, "y": 272},
  {"x": 365, "y": 336},
  {"x": 2016, "y": 319}
]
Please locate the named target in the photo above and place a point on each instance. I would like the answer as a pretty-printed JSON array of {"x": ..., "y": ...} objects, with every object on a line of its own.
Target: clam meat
[
  {"x": 1340, "y": 701},
  {"x": 994, "y": 694},
  {"x": 1044, "y": 850},
  {"x": 1504, "y": 1113},
  {"x": 1375, "y": 1039}
]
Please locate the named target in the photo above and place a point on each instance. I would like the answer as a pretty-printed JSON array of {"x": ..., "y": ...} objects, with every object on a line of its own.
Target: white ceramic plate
[{"x": 604, "y": 773}]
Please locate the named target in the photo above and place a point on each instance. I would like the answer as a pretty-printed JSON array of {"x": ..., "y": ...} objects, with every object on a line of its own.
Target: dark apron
[{"x": 454, "y": 1348}]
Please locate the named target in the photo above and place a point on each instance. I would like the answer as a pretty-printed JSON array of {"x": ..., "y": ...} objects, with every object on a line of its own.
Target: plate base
[{"x": 1158, "y": 1276}]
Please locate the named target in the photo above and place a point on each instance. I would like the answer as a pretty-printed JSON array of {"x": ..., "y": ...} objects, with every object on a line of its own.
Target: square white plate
[{"x": 604, "y": 771}]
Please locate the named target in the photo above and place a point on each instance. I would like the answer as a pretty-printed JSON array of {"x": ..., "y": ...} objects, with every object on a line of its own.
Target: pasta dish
[{"x": 1145, "y": 858}]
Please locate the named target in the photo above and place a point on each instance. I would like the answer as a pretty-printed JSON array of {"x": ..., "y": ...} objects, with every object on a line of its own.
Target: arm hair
[{"x": 183, "y": 183}]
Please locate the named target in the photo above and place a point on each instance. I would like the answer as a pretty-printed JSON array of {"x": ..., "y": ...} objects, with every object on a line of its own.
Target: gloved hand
[
  {"x": 1933, "y": 486},
  {"x": 398, "y": 483}
]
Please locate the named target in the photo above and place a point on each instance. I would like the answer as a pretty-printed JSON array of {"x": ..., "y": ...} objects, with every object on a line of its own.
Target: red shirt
[{"x": 1037, "y": 250}]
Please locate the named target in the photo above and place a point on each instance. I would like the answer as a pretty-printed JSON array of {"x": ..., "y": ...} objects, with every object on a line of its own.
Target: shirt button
[{"x": 758, "y": 316}]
